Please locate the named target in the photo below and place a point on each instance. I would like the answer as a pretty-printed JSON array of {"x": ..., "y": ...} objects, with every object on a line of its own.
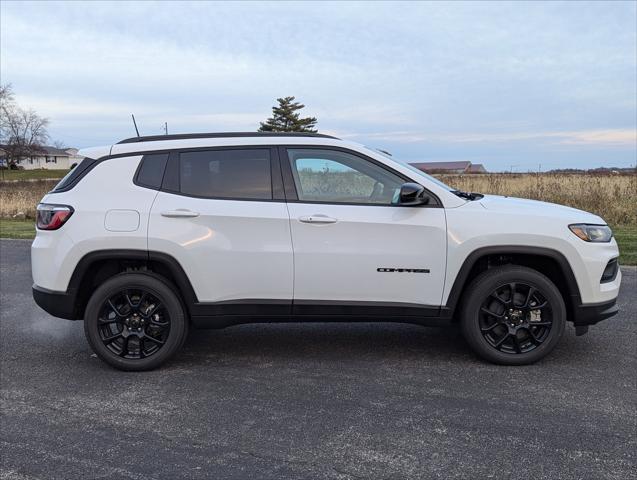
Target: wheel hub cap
[{"x": 515, "y": 317}]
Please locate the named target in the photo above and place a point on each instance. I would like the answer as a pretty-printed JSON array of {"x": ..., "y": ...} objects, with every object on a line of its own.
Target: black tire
[
  {"x": 141, "y": 328},
  {"x": 512, "y": 333}
]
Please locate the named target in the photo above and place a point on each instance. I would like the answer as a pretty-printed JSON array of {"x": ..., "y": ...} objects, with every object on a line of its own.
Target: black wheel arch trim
[
  {"x": 471, "y": 260},
  {"x": 67, "y": 304}
]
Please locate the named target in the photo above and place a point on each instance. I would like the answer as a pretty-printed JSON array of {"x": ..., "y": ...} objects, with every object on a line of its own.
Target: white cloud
[{"x": 616, "y": 137}]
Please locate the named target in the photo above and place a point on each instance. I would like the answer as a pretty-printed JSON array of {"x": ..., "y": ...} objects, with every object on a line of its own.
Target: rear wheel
[
  {"x": 513, "y": 315},
  {"x": 134, "y": 321}
]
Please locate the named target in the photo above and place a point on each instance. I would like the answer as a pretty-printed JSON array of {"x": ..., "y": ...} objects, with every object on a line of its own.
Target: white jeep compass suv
[{"x": 153, "y": 235}]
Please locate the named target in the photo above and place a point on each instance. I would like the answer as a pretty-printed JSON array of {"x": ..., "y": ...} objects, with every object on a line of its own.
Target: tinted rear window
[
  {"x": 238, "y": 174},
  {"x": 74, "y": 176},
  {"x": 151, "y": 170}
]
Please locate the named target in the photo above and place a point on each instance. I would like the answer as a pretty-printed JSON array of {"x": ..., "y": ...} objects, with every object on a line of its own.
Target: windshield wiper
[{"x": 468, "y": 195}]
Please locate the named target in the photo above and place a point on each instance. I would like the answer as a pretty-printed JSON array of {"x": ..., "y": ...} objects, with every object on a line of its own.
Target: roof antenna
[{"x": 135, "y": 123}]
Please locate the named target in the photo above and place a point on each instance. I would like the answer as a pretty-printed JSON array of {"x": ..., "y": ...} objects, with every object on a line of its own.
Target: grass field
[
  {"x": 22, "y": 196},
  {"x": 16, "y": 228},
  {"x": 627, "y": 240},
  {"x": 31, "y": 174},
  {"x": 612, "y": 197}
]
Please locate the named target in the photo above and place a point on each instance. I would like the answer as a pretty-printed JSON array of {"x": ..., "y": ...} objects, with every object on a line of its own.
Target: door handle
[
  {"x": 317, "y": 218},
  {"x": 180, "y": 213}
]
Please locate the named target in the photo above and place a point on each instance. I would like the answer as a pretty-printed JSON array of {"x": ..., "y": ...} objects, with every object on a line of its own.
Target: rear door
[
  {"x": 222, "y": 216},
  {"x": 354, "y": 245}
]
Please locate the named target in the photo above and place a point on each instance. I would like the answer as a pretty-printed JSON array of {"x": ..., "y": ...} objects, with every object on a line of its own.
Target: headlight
[{"x": 592, "y": 233}]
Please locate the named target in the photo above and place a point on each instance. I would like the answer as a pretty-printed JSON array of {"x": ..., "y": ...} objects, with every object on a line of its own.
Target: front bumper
[{"x": 589, "y": 314}]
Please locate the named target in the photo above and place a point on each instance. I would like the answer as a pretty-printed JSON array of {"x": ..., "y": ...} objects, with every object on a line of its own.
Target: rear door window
[{"x": 232, "y": 174}]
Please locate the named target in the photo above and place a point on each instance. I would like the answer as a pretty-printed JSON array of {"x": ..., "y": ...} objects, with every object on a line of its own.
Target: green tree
[{"x": 285, "y": 118}]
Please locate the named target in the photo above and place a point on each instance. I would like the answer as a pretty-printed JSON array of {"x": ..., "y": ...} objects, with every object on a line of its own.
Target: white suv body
[{"x": 254, "y": 227}]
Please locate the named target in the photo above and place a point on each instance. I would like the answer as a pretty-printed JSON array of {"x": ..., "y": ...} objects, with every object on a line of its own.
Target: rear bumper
[
  {"x": 590, "y": 314},
  {"x": 58, "y": 304}
]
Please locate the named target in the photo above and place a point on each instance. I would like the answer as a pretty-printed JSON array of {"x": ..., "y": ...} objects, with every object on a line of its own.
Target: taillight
[{"x": 52, "y": 217}]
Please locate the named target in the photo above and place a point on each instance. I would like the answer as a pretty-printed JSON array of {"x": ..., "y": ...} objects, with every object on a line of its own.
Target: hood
[{"x": 537, "y": 208}]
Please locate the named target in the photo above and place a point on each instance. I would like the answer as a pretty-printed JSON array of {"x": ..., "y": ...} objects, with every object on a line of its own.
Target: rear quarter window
[
  {"x": 75, "y": 175},
  {"x": 151, "y": 170}
]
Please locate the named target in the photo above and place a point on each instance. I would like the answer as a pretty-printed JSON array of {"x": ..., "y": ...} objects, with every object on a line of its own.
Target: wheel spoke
[
  {"x": 114, "y": 308},
  {"x": 110, "y": 339},
  {"x": 500, "y": 299},
  {"x": 490, "y": 327},
  {"x": 489, "y": 312},
  {"x": 512, "y": 287},
  {"x": 534, "y": 337},
  {"x": 529, "y": 297},
  {"x": 124, "y": 351},
  {"x": 141, "y": 300},
  {"x": 129, "y": 300},
  {"x": 141, "y": 347},
  {"x": 502, "y": 339},
  {"x": 153, "y": 339},
  {"x": 103, "y": 321},
  {"x": 516, "y": 343}
]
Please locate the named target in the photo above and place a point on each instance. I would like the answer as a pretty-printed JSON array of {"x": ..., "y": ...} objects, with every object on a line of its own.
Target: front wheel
[
  {"x": 134, "y": 321},
  {"x": 513, "y": 315}
]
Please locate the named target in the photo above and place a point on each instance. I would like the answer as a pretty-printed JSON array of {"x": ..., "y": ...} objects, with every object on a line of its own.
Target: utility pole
[{"x": 165, "y": 128}]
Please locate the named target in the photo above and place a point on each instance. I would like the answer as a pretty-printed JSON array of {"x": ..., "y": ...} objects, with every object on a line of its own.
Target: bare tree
[
  {"x": 22, "y": 132},
  {"x": 6, "y": 94}
]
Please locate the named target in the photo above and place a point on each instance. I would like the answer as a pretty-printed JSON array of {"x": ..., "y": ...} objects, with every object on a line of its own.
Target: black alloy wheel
[
  {"x": 135, "y": 321},
  {"x": 516, "y": 318},
  {"x": 512, "y": 315}
]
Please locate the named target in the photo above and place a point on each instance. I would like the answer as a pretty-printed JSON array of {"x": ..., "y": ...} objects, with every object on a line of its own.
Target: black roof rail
[{"x": 186, "y": 136}]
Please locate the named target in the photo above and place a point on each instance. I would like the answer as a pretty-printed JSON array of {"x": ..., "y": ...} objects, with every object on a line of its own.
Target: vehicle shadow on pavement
[{"x": 325, "y": 341}]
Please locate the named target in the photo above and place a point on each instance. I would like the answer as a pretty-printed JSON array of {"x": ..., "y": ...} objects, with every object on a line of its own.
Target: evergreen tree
[{"x": 285, "y": 118}]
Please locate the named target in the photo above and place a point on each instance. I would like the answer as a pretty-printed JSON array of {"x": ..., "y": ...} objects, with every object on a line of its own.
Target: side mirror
[{"x": 412, "y": 194}]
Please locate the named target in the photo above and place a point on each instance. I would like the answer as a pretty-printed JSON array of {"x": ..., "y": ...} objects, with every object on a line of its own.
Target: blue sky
[{"x": 504, "y": 84}]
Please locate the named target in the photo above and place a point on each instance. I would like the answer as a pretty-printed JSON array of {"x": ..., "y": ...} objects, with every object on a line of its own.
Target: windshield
[
  {"x": 417, "y": 170},
  {"x": 429, "y": 177}
]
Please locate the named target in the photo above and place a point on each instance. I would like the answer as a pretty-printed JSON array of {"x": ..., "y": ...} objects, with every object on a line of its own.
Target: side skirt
[{"x": 224, "y": 314}]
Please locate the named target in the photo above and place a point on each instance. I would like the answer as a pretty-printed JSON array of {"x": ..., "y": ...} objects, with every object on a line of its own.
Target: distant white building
[{"x": 50, "y": 158}]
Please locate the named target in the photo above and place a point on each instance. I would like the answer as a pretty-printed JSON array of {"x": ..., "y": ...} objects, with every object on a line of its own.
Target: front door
[{"x": 354, "y": 245}]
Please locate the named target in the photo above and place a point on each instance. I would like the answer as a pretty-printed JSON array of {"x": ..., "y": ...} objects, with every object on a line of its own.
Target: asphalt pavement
[{"x": 312, "y": 401}]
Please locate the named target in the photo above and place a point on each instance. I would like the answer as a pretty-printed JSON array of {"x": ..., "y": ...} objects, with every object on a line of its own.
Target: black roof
[{"x": 186, "y": 136}]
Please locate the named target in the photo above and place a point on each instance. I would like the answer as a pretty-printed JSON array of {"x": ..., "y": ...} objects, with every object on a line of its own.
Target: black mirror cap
[{"x": 413, "y": 194}]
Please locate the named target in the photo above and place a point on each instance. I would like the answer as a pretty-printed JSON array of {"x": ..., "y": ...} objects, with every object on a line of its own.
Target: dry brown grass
[
  {"x": 613, "y": 197},
  {"x": 22, "y": 196}
]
